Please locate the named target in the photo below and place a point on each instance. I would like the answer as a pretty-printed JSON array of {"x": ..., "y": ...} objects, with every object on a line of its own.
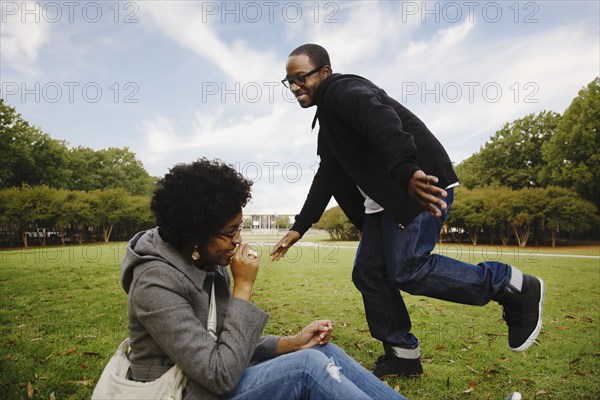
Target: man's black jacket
[{"x": 369, "y": 140}]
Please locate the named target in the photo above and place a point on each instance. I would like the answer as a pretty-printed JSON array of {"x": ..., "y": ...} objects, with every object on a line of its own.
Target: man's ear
[{"x": 327, "y": 70}]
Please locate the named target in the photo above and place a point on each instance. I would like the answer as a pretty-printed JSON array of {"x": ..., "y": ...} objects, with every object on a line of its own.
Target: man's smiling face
[{"x": 304, "y": 87}]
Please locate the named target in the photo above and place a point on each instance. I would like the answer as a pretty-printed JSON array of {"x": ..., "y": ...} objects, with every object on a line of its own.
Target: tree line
[
  {"x": 498, "y": 214},
  {"x": 79, "y": 193},
  {"x": 536, "y": 177},
  {"x": 31, "y": 157},
  {"x": 75, "y": 216}
]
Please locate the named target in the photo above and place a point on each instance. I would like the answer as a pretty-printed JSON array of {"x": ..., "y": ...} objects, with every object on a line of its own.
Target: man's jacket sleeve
[{"x": 316, "y": 201}]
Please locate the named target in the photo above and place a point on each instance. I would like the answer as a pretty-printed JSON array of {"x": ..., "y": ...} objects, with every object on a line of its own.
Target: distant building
[{"x": 268, "y": 221}]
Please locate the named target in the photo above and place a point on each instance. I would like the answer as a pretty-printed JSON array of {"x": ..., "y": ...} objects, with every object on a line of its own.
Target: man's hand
[
  {"x": 421, "y": 188},
  {"x": 284, "y": 244}
]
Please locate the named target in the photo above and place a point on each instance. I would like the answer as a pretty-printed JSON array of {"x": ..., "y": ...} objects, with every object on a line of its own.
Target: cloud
[
  {"x": 269, "y": 137},
  {"x": 21, "y": 36},
  {"x": 177, "y": 50},
  {"x": 358, "y": 33},
  {"x": 437, "y": 58},
  {"x": 441, "y": 43},
  {"x": 277, "y": 151},
  {"x": 540, "y": 71},
  {"x": 187, "y": 24},
  {"x": 374, "y": 39},
  {"x": 556, "y": 61}
]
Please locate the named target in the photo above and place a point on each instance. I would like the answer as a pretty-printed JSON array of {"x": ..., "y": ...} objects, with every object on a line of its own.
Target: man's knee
[
  {"x": 357, "y": 277},
  {"x": 402, "y": 276},
  {"x": 368, "y": 278}
]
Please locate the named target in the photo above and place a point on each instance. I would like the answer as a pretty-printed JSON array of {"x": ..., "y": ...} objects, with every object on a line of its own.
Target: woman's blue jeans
[
  {"x": 390, "y": 258},
  {"x": 321, "y": 372}
]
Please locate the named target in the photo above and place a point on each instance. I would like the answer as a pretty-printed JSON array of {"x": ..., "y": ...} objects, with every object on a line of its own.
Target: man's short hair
[{"x": 316, "y": 54}]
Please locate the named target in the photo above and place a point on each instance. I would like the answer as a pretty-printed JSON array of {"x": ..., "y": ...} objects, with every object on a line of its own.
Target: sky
[{"x": 178, "y": 80}]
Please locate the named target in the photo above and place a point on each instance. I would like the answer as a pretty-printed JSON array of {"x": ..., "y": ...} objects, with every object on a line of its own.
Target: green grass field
[{"x": 63, "y": 313}]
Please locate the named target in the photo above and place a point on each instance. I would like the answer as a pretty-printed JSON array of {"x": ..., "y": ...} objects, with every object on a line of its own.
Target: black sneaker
[
  {"x": 388, "y": 365},
  {"x": 523, "y": 312}
]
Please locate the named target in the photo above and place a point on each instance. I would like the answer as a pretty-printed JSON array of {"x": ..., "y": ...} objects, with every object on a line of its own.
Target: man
[{"x": 394, "y": 181}]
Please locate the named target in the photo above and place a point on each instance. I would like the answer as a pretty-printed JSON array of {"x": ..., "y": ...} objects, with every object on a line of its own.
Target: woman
[{"x": 182, "y": 311}]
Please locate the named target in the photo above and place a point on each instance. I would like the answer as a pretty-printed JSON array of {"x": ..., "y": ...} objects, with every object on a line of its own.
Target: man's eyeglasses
[
  {"x": 299, "y": 80},
  {"x": 231, "y": 234}
]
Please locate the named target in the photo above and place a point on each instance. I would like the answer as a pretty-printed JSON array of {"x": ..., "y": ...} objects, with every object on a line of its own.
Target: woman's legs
[
  {"x": 356, "y": 373},
  {"x": 311, "y": 374}
]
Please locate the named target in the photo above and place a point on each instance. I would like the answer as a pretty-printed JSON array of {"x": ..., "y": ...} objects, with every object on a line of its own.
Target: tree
[
  {"x": 28, "y": 155},
  {"x": 470, "y": 173},
  {"x": 496, "y": 201},
  {"x": 85, "y": 168},
  {"x": 572, "y": 155},
  {"x": 566, "y": 211},
  {"x": 110, "y": 208},
  {"x": 108, "y": 169},
  {"x": 30, "y": 207},
  {"x": 120, "y": 168},
  {"x": 11, "y": 212},
  {"x": 247, "y": 224},
  {"x": 14, "y": 155},
  {"x": 76, "y": 213},
  {"x": 35, "y": 207},
  {"x": 526, "y": 208},
  {"x": 513, "y": 156},
  {"x": 282, "y": 222},
  {"x": 468, "y": 212},
  {"x": 518, "y": 212},
  {"x": 136, "y": 216},
  {"x": 337, "y": 224}
]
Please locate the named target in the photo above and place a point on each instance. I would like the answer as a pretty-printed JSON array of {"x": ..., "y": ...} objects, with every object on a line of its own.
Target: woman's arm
[{"x": 162, "y": 302}]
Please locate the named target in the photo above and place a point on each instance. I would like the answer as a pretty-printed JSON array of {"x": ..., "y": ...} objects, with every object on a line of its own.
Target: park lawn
[{"x": 63, "y": 313}]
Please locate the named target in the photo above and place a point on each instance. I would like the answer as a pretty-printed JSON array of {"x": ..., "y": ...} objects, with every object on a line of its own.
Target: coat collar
[
  {"x": 321, "y": 90},
  {"x": 181, "y": 263}
]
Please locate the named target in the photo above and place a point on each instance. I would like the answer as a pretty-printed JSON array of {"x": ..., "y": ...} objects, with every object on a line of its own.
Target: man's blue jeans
[
  {"x": 390, "y": 258},
  {"x": 321, "y": 372}
]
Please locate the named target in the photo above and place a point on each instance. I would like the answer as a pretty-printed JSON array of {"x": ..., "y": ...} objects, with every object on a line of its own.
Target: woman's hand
[
  {"x": 244, "y": 268},
  {"x": 317, "y": 333}
]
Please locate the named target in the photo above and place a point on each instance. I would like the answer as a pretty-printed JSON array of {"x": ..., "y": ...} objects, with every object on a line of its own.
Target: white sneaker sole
[{"x": 538, "y": 327}]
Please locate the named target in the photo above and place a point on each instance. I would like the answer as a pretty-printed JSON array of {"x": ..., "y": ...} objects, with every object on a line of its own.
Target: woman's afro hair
[{"x": 195, "y": 201}]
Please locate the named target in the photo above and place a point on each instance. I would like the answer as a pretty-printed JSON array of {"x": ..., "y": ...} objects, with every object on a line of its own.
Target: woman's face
[{"x": 221, "y": 246}]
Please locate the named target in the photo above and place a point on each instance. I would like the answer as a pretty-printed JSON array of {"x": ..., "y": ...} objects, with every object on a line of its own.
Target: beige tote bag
[{"x": 113, "y": 383}]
